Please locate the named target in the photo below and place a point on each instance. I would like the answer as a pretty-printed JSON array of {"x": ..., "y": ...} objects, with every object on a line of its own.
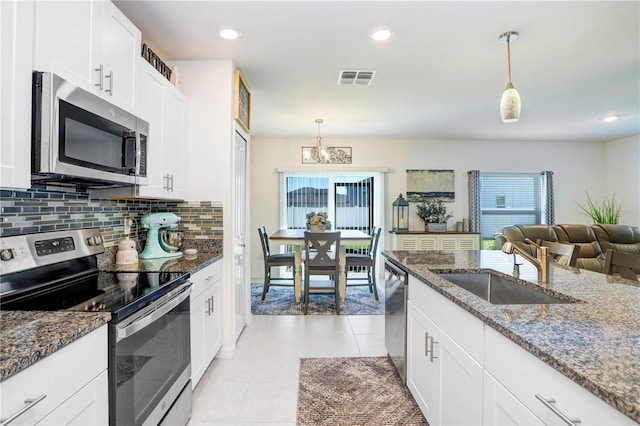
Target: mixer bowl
[{"x": 172, "y": 238}]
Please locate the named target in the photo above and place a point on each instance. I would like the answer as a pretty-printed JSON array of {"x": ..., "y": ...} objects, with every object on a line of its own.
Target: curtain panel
[{"x": 474, "y": 200}]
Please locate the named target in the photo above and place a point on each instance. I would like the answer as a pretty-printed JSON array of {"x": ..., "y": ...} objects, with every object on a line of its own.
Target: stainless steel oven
[
  {"x": 149, "y": 333},
  {"x": 78, "y": 137}
]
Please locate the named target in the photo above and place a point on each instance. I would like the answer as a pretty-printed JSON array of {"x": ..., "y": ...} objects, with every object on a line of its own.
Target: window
[{"x": 510, "y": 199}]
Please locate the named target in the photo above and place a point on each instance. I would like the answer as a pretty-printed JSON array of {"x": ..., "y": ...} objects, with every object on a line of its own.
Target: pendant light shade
[{"x": 510, "y": 103}]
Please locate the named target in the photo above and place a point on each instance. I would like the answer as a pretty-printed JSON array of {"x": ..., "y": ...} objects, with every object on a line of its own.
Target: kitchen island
[{"x": 595, "y": 342}]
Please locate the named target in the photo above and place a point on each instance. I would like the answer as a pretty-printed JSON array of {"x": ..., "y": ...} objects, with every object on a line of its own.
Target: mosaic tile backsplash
[{"x": 40, "y": 209}]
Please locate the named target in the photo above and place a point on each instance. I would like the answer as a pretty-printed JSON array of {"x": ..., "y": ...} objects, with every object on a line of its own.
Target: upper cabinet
[
  {"x": 16, "y": 40},
  {"x": 92, "y": 44}
]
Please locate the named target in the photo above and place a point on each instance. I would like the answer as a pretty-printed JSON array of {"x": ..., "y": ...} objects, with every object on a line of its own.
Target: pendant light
[
  {"x": 323, "y": 153},
  {"x": 510, "y": 104}
]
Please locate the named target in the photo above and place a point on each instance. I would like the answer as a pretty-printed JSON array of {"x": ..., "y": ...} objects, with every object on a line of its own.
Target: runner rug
[
  {"x": 280, "y": 301},
  {"x": 354, "y": 392}
]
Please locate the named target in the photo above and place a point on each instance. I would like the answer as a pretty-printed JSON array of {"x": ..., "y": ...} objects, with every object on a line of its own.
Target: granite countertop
[
  {"x": 596, "y": 344},
  {"x": 28, "y": 337}
]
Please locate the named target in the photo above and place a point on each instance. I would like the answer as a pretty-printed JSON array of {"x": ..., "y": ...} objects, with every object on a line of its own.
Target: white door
[{"x": 241, "y": 287}]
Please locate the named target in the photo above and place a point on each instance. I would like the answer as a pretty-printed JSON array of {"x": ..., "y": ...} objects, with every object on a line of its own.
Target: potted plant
[
  {"x": 606, "y": 212},
  {"x": 317, "y": 222},
  {"x": 434, "y": 215}
]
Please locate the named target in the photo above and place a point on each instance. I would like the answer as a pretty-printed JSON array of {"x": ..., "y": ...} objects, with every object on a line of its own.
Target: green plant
[
  {"x": 608, "y": 211},
  {"x": 433, "y": 212},
  {"x": 319, "y": 218}
]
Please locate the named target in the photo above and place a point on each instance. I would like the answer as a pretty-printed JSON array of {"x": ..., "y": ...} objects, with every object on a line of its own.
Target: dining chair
[
  {"x": 272, "y": 261},
  {"x": 321, "y": 261},
  {"x": 367, "y": 261},
  {"x": 565, "y": 254},
  {"x": 623, "y": 263}
]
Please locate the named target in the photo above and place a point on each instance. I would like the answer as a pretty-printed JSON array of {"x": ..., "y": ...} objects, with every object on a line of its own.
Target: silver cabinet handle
[
  {"x": 171, "y": 184},
  {"x": 428, "y": 347},
  {"x": 213, "y": 305},
  {"x": 110, "y": 77},
  {"x": 29, "y": 403},
  {"x": 100, "y": 77},
  {"x": 431, "y": 352},
  {"x": 167, "y": 188},
  {"x": 549, "y": 403}
]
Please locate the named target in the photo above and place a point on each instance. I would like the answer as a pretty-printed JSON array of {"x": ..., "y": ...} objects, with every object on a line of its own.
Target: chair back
[
  {"x": 567, "y": 253},
  {"x": 623, "y": 263},
  {"x": 321, "y": 258},
  {"x": 373, "y": 245},
  {"x": 264, "y": 240}
]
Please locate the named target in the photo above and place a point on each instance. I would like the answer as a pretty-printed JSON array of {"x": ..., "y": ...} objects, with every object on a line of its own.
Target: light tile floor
[{"x": 259, "y": 385}]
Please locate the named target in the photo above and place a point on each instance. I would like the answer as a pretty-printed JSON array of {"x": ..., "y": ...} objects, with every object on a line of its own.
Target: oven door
[{"x": 149, "y": 361}]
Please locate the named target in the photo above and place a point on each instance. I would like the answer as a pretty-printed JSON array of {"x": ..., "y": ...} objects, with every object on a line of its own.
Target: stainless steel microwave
[{"x": 80, "y": 138}]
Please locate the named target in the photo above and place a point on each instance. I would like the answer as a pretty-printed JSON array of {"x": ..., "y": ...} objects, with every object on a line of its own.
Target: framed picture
[
  {"x": 423, "y": 185},
  {"x": 242, "y": 102}
]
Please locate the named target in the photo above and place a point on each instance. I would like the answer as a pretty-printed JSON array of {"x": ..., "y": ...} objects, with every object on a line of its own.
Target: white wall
[
  {"x": 623, "y": 176},
  {"x": 578, "y": 167}
]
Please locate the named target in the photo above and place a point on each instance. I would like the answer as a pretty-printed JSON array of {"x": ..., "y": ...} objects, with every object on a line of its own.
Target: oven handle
[{"x": 153, "y": 316}]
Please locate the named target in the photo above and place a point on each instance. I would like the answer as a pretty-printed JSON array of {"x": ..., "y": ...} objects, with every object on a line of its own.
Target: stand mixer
[{"x": 156, "y": 247}]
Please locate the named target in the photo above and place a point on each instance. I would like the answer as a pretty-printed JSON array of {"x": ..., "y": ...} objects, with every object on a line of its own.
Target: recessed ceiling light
[
  {"x": 229, "y": 34},
  {"x": 610, "y": 118},
  {"x": 381, "y": 34}
]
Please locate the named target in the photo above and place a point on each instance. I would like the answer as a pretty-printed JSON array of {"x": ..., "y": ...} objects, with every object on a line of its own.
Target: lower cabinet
[
  {"x": 206, "y": 325},
  {"x": 445, "y": 381},
  {"x": 461, "y": 371},
  {"x": 56, "y": 397}
]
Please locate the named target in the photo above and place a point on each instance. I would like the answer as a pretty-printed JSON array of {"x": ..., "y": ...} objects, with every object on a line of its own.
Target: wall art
[{"x": 423, "y": 185}]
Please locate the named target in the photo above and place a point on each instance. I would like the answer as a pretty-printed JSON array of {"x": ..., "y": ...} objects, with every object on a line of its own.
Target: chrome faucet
[{"x": 541, "y": 261}]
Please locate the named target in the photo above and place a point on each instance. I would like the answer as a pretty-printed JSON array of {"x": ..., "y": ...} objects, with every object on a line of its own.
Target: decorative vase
[
  {"x": 317, "y": 228},
  {"x": 436, "y": 227}
]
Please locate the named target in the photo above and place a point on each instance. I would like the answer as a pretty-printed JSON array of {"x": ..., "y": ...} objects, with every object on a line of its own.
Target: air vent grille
[{"x": 355, "y": 77}]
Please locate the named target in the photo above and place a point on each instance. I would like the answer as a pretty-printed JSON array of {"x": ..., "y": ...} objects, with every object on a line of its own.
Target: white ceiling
[{"x": 439, "y": 77}]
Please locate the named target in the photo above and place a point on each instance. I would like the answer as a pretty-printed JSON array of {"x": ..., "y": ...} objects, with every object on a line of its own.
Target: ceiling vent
[{"x": 355, "y": 78}]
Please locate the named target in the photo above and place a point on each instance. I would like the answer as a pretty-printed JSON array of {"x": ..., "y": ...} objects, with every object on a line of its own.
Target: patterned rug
[
  {"x": 354, "y": 391},
  {"x": 280, "y": 301}
]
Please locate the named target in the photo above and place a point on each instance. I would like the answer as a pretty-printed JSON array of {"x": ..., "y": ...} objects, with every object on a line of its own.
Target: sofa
[{"x": 593, "y": 240}]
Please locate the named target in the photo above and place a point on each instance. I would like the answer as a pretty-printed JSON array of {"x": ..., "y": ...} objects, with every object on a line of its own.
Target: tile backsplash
[{"x": 40, "y": 209}]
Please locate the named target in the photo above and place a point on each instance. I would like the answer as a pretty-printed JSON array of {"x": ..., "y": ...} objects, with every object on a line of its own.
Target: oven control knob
[
  {"x": 6, "y": 254},
  {"x": 98, "y": 239},
  {"x": 91, "y": 241}
]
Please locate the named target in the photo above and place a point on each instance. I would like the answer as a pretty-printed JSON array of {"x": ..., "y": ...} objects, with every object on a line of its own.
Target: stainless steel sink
[{"x": 501, "y": 291}]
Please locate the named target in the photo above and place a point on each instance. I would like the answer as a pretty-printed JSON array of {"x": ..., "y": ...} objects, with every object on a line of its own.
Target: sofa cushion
[
  {"x": 622, "y": 238},
  {"x": 518, "y": 233},
  {"x": 591, "y": 255}
]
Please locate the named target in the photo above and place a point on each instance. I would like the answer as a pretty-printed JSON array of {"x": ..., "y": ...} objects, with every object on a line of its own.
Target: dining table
[{"x": 295, "y": 238}]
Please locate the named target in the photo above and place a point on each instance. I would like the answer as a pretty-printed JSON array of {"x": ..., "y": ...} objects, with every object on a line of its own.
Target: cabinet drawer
[
  {"x": 524, "y": 375},
  {"x": 465, "y": 329},
  {"x": 205, "y": 278},
  {"x": 57, "y": 376}
]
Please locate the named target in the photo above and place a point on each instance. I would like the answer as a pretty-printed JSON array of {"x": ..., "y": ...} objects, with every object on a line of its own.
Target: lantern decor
[{"x": 400, "y": 214}]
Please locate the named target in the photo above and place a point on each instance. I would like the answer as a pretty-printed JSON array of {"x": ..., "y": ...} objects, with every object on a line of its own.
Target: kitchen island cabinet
[
  {"x": 581, "y": 355},
  {"x": 67, "y": 387}
]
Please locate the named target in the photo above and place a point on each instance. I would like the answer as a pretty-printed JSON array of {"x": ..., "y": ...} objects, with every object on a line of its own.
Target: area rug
[
  {"x": 280, "y": 301},
  {"x": 354, "y": 391}
]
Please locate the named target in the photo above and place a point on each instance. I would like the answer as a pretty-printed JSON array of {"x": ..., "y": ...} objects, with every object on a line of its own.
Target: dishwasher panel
[{"x": 395, "y": 324}]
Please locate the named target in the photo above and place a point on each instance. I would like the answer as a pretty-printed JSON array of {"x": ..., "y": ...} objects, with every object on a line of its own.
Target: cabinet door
[
  {"x": 66, "y": 44},
  {"x": 448, "y": 242},
  {"x": 16, "y": 41},
  {"x": 500, "y": 407},
  {"x": 427, "y": 242},
  {"x": 422, "y": 372},
  {"x": 89, "y": 406},
  {"x": 173, "y": 140},
  {"x": 151, "y": 110},
  {"x": 197, "y": 338},
  {"x": 121, "y": 44},
  {"x": 407, "y": 243},
  {"x": 213, "y": 337},
  {"x": 468, "y": 242}
]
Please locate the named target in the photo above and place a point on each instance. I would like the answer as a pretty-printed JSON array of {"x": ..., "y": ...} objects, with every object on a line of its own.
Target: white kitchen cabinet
[
  {"x": 91, "y": 44},
  {"x": 16, "y": 64},
  {"x": 163, "y": 106},
  {"x": 445, "y": 380},
  {"x": 435, "y": 241},
  {"x": 206, "y": 326},
  {"x": 525, "y": 376},
  {"x": 500, "y": 407},
  {"x": 77, "y": 398}
]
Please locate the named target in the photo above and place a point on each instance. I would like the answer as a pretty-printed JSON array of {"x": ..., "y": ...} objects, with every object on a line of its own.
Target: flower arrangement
[
  {"x": 319, "y": 218},
  {"x": 433, "y": 212}
]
